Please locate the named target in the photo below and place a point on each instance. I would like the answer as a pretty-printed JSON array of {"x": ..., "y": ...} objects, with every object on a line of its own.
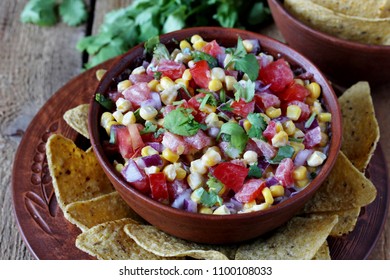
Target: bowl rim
[
  {"x": 123, "y": 61},
  {"x": 327, "y": 37}
]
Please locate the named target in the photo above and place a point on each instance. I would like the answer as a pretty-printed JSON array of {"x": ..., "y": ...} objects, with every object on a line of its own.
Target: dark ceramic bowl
[
  {"x": 343, "y": 62},
  {"x": 204, "y": 228}
]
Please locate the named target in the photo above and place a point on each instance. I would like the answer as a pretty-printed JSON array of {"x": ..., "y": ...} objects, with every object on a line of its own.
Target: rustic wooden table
[{"x": 35, "y": 62}]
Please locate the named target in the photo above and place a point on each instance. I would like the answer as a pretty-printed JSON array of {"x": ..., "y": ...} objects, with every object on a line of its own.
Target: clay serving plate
[{"x": 203, "y": 228}]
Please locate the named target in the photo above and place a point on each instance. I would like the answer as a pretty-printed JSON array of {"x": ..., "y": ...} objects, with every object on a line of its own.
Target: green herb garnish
[
  {"x": 310, "y": 121},
  {"x": 238, "y": 137},
  {"x": 211, "y": 61},
  {"x": 258, "y": 125},
  {"x": 181, "y": 122},
  {"x": 149, "y": 128},
  {"x": 255, "y": 171},
  {"x": 104, "y": 101},
  {"x": 283, "y": 152},
  {"x": 214, "y": 184},
  {"x": 246, "y": 91}
]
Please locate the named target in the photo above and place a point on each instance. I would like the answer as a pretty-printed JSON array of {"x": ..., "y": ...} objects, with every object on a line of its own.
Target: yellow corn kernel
[
  {"x": 187, "y": 76},
  {"x": 302, "y": 183},
  {"x": 184, "y": 44},
  {"x": 324, "y": 139},
  {"x": 250, "y": 157},
  {"x": 148, "y": 151},
  {"x": 315, "y": 90},
  {"x": 118, "y": 116},
  {"x": 215, "y": 85},
  {"x": 277, "y": 190},
  {"x": 180, "y": 173},
  {"x": 247, "y": 125},
  {"x": 169, "y": 155},
  {"x": 198, "y": 45},
  {"x": 298, "y": 133},
  {"x": 196, "y": 196},
  {"x": 153, "y": 85},
  {"x": 279, "y": 127},
  {"x": 268, "y": 198},
  {"x": 123, "y": 85},
  {"x": 265, "y": 118},
  {"x": 293, "y": 112},
  {"x": 289, "y": 127},
  {"x": 197, "y": 166},
  {"x": 280, "y": 139},
  {"x": 195, "y": 38},
  {"x": 325, "y": 117},
  {"x": 148, "y": 112},
  {"x": 260, "y": 207},
  {"x": 212, "y": 120},
  {"x": 310, "y": 101},
  {"x": 108, "y": 126},
  {"x": 248, "y": 45},
  {"x": 195, "y": 180},
  {"x": 297, "y": 146},
  {"x": 249, "y": 204},
  {"x": 221, "y": 210},
  {"x": 273, "y": 112},
  {"x": 323, "y": 126},
  {"x": 183, "y": 82},
  {"x": 208, "y": 109},
  {"x": 299, "y": 82},
  {"x": 151, "y": 170},
  {"x": 211, "y": 158},
  {"x": 159, "y": 88},
  {"x": 123, "y": 105},
  {"x": 138, "y": 70},
  {"x": 168, "y": 96},
  {"x": 170, "y": 172},
  {"x": 316, "y": 107},
  {"x": 218, "y": 73},
  {"x": 166, "y": 82},
  {"x": 119, "y": 167},
  {"x": 300, "y": 173},
  {"x": 205, "y": 210},
  {"x": 229, "y": 82},
  {"x": 106, "y": 118},
  {"x": 316, "y": 159},
  {"x": 129, "y": 118},
  {"x": 100, "y": 73}
]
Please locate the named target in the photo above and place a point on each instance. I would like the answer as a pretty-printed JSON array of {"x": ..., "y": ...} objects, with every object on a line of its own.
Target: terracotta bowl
[
  {"x": 343, "y": 62},
  {"x": 204, "y": 228}
]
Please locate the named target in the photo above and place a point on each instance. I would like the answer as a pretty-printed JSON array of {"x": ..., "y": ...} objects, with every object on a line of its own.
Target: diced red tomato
[
  {"x": 312, "y": 137},
  {"x": 201, "y": 74},
  {"x": 284, "y": 172},
  {"x": 194, "y": 104},
  {"x": 176, "y": 143},
  {"x": 149, "y": 137},
  {"x": 140, "y": 78},
  {"x": 137, "y": 94},
  {"x": 267, "y": 150},
  {"x": 134, "y": 135},
  {"x": 250, "y": 190},
  {"x": 242, "y": 108},
  {"x": 278, "y": 74},
  {"x": 270, "y": 131},
  {"x": 212, "y": 48},
  {"x": 265, "y": 100},
  {"x": 123, "y": 141},
  {"x": 294, "y": 92},
  {"x": 305, "y": 109},
  {"x": 171, "y": 69},
  {"x": 231, "y": 175},
  {"x": 198, "y": 141},
  {"x": 159, "y": 187}
]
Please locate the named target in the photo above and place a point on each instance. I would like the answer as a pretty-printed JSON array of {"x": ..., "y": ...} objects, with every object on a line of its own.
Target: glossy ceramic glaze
[
  {"x": 344, "y": 62},
  {"x": 203, "y": 228}
]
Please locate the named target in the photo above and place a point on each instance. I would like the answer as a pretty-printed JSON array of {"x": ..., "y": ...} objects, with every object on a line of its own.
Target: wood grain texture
[{"x": 36, "y": 62}]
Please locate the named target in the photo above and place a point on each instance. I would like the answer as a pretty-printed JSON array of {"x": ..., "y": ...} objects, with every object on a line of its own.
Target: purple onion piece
[
  {"x": 256, "y": 45},
  {"x": 155, "y": 145},
  {"x": 302, "y": 156},
  {"x": 271, "y": 181},
  {"x": 152, "y": 160},
  {"x": 213, "y": 131},
  {"x": 178, "y": 203},
  {"x": 263, "y": 164},
  {"x": 261, "y": 87},
  {"x": 221, "y": 58},
  {"x": 154, "y": 101},
  {"x": 190, "y": 205},
  {"x": 131, "y": 172}
]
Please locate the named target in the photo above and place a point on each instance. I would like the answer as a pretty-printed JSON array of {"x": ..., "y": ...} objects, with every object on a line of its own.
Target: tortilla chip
[
  {"x": 323, "y": 253},
  {"x": 366, "y": 8},
  {"x": 108, "y": 241},
  {"x": 360, "y": 126},
  {"x": 77, "y": 118},
  {"x": 364, "y": 30},
  {"x": 299, "y": 239},
  {"x": 98, "y": 210},
  {"x": 347, "y": 221},
  {"x": 164, "y": 245},
  {"x": 344, "y": 189},
  {"x": 76, "y": 175}
]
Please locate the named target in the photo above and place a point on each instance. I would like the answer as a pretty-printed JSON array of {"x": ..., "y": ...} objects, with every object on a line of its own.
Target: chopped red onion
[
  {"x": 271, "y": 181},
  {"x": 213, "y": 131},
  {"x": 131, "y": 172},
  {"x": 190, "y": 205},
  {"x": 152, "y": 160},
  {"x": 302, "y": 156},
  {"x": 156, "y": 145},
  {"x": 178, "y": 203}
]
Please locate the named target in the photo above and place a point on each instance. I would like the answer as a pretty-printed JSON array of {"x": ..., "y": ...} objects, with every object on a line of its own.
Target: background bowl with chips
[
  {"x": 344, "y": 61},
  {"x": 203, "y": 228}
]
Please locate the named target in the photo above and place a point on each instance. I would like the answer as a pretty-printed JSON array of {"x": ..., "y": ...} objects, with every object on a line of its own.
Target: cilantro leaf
[
  {"x": 208, "y": 199},
  {"x": 255, "y": 171},
  {"x": 104, "y": 101},
  {"x": 258, "y": 125},
  {"x": 246, "y": 91},
  {"x": 181, "y": 122},
  {"x": 211, "y": 61},
  {"x": 283, "y": 152},
  {"x": 249, "y": 65},
  {"x": 73, "y": 12},
  {"x": 238, "y": 137},
  {"x": 161, "y": 52},
  {"x": 149, "y": 127},
  {"x": 151, "y": 44},
  {"x": 214, "y": 184},
  {"x": 40, "y": 12}
]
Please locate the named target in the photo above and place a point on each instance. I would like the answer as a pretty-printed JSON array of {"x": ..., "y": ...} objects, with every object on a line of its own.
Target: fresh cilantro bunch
[
  {"x": 48, "y": 12},
  {"x": 126, "y": 27}
]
